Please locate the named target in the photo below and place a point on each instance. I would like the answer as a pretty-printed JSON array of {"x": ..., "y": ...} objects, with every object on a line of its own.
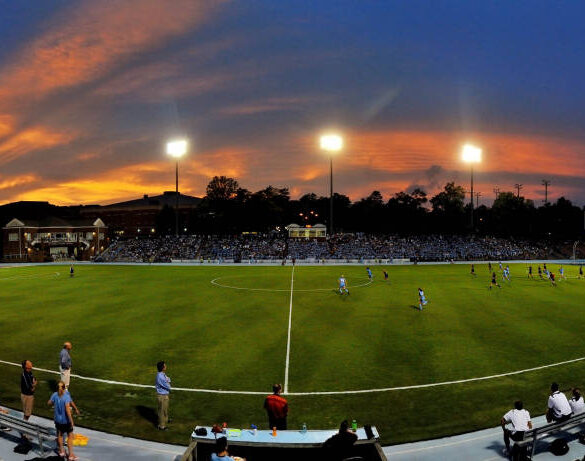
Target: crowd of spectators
[
  {"x": 339, "y": 247},
  {"x": 196, "y": 247}
]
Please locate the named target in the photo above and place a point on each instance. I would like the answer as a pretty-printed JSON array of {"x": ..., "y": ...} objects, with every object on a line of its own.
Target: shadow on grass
[
  {"x": 149, "y": 414},
  {"x": 415, "y": 307},
  {"x": 52, "y": 383}
]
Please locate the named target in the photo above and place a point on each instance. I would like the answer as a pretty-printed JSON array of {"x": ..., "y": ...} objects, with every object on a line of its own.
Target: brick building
[
  {"x": 52, "y": 239},
  {"x": 139, "y": 217}
]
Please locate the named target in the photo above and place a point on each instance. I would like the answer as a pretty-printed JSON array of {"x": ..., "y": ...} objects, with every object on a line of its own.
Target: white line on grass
[
  {"x": 292, "y": 282},
  {"x": 364, "y": 391}
]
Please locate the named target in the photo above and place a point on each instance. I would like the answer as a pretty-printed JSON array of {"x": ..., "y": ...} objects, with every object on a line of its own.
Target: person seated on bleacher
[
  {"x": 520, "y": 420},
  {"x": 221, "y": 453},
  {"x": 340, "y": 445},
  {"x": 577, "y": 404},
  {"x": 558, "y": 406}
]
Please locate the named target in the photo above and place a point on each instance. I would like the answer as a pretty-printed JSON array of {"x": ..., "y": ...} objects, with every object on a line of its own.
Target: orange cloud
[
  {"x": 85, "y": 42},
  {"x": 31, "y": 139},
  {"x": 403, "y": 151},
  {"x": 16, "y": 181}
]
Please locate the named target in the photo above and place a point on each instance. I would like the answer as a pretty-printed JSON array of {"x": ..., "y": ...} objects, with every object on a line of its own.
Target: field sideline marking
[
  {"x": 214, "y": 282},
  {"x": 292, "y": 282},
  {"x": 365, "y": 391}
]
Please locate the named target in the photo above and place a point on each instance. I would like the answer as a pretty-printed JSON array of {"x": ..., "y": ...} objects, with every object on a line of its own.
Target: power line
[
  {"x": 518, "y": 187},
  {"x": 545, "y": 183}
]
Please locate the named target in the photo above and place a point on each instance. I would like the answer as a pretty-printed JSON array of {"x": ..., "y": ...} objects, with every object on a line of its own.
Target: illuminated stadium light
[
  {"x": 471, "y": 154},
  {"x": 177, "y": 148},
  {"x": 331, "y": 142}
]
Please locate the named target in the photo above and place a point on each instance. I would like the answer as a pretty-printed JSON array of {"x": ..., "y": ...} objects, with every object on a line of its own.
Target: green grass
[{"x": 123, "y": 319}]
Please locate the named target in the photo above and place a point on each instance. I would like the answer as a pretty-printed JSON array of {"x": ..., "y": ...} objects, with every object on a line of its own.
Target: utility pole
[
  {"x": 545, "y": 183},
  {"x": 518, "y": 187},
  {"x": 496, "y": 191},
  {"x": 477, "y": 196}
]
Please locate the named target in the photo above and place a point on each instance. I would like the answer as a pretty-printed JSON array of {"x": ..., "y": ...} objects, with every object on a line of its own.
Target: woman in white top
[{"x": 577, "y": 403}]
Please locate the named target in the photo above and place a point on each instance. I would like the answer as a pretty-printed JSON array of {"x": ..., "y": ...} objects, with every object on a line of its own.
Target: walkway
[{"x": 483, "y": 445}]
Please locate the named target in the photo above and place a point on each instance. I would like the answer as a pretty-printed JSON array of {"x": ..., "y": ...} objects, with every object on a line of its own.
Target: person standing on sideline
[
  {"x": 28, "y": 384},
  {"x": 65, "y": 363},
  {"x": 277, "y": 408},
  {"x": 163, "y": 389},
  {"x": 558, "y": 409},
  {"x": 520, "y": 420},
  {"x": 71, "y": 271},
  {"x": 61, "y": 400}
]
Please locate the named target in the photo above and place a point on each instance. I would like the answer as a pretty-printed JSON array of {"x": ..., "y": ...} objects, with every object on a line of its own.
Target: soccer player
[
  {"x": 71, "y": 270},
  {"x": 494, "y": 282},
  {"x": 562, "y": 273},
  {"x": 369, "y": 271},
  {"x": 422, "y": 301},
  {"x": 580, "y": 272},
  {"x": 500, "y": 264},
  {"x": 551, "y": 276},
  {"x": 540, "y": 272},
  {"x": 545, "y": 269},
  {"x": 385, "y": 275},
  {"x": 343, "y": 285},
  {"x": 490, "y": 266},
  {"x": 473, "y": 270},
  {"x": 530, "y": 272},
  {"x": 506, "y": 274}
]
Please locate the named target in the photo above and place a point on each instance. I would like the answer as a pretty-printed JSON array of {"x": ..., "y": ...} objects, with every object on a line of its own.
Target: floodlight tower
[
  {"x": 471, "y": 154},
  {"x": 177, "y": 149},
  {"x": 331, "y": 143}
]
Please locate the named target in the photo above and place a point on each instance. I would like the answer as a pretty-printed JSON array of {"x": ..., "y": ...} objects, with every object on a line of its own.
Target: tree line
[{"x": 227, "y": 208}]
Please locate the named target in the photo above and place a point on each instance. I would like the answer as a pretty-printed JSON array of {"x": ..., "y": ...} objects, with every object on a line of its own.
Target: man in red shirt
[{"x": 277, "y": 408}]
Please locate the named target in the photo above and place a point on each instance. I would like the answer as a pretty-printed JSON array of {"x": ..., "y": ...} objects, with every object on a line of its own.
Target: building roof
[
  {"x": 168, "y": 198},
  {"x": 53, "y": 221}
]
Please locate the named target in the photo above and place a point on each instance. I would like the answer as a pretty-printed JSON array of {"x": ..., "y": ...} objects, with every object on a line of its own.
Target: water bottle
[
  {"x": 304, "y": 430},
  {"x": 274, "y": 431},
  {"x": 354, "y": 425},
  {"x": 254, "y": 429}
]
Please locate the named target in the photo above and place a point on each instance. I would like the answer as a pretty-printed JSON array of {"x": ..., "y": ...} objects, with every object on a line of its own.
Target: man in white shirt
[
  {"x": 520, "y": 421},
  {"x": 558, "y": 406},
  {"x": 577, "y": 404}
]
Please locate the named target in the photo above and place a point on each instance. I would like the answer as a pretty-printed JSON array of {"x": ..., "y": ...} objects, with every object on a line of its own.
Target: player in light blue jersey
[
  {"x": 343, "y": 285},
  {"x": 562, "y": 273},
  {"x": 369, "y": 271},
  {"x": 422, "y": 300}
]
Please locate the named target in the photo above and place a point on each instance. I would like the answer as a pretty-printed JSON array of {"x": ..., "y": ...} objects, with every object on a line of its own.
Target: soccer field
[{"x": 243, "y": 328}]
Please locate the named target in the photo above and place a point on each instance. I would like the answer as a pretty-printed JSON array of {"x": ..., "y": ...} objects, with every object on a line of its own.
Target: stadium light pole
[
  {"x": 177, "y": 149},
  {"x": 471, "y": 155},
  {"x": 331, "y": 143}
]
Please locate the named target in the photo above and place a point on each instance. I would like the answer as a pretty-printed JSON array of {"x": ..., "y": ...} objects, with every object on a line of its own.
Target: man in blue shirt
[
  {"x": 65, "y": 363},
  {"x": 163, "y": 389}
]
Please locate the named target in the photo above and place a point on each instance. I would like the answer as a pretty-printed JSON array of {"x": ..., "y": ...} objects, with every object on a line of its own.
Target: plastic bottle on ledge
[
  {"x": 354, "y": 425},
  {"x": 254, "y": 429},
  {"x": 274, "y": 431},
  {"x": 224, "y": 426},
  {"x": 304, "y": 429}
]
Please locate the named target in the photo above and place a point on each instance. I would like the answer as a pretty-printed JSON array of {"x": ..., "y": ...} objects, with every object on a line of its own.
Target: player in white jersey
[{"x": 343, "y": 285}]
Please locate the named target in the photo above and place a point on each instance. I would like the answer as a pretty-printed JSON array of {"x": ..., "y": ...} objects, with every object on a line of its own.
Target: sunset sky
[{"x": 90, "y": 91}]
